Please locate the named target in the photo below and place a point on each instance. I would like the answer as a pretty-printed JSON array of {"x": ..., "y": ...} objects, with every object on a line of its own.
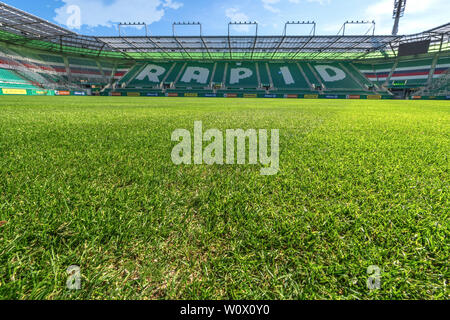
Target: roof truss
[{"x": 21, "y": 28}]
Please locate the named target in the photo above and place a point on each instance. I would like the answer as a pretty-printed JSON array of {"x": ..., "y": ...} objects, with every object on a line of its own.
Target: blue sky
[{"x": 100, "y": 17}]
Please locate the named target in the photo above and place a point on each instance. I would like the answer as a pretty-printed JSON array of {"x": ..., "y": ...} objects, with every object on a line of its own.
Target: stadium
[
  {"x": 87, "y": 178},
  {"x": 38, "y": 55}
]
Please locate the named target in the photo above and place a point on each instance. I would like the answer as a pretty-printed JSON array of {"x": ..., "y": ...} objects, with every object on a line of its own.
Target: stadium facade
[{"x": 41, "y": 58}]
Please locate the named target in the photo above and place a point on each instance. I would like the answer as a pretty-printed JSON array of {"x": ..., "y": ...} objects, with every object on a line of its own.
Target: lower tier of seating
[
  {"x": 10, "y": 79},
  {"x": 232, "y": 75}
]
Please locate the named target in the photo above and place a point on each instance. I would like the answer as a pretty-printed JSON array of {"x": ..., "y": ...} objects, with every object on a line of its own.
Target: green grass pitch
[{"x": 89, "y": 181}]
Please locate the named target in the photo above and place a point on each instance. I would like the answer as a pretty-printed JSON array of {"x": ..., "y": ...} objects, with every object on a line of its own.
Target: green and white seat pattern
[
  {"x": 196, "y": 75},
  {"x": 148, "y": 75},
  {"x": 242, "y": 75},
  {"x": 287, "y": 76},
  {"x": 336, "y": 76},
  {"x": 246, "y": 75}
]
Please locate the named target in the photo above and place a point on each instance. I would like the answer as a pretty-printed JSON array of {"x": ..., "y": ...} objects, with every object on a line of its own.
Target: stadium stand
[
  {"x": 377, "y": 73},
  {"x": 265, "y": 78},
  {"x": 86, "y": 71},
  {"x": 28, "y": 68},
  {"x": 120, "y": 71},
  {"x": 410, "y": 73},
  {"x": 51, "y": 71},
  {"x": 242, "y": 75},
  {"x": 58, "y": 65},
  {"x": 288, "y": 76},
  {"x": 253, "y": 77},
  {"x": 439, "y": 83},
  {"x": 218, "y": 79},
  {"x": 244, "y": 66},
  {"x": 311, "y": 75},
  {"x": 148, "y": 75},
  {"x": 174, "y": 73},
  {"x": 196, "y": 75},
  {"x": 129, "y": 75},
  {"x": 442, "y": 67},
  {"x": 337, "y": 77},
  {"x": 11, "y": 80}
]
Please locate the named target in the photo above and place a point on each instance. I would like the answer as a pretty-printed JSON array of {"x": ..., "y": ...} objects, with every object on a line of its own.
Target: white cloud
[
  {"x": 95, "y": 13},
  {"x": 235, "y": 15},
  {"x": 172, "y": 5},
  {"x": 321, "y": 2},
  {"x": 270, "y": 5}
]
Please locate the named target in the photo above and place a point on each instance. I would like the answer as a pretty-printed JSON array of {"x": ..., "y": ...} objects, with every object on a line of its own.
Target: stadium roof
[
  {"x": 21, "y": 28},
  {"x": 439, "y": 38},
  {"x": 249, "y": 47}
]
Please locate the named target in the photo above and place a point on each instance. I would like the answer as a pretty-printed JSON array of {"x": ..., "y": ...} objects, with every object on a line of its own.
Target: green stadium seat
[
  {"x": 10, "y": 79},
  {"x": 263, "y": 74},
  {"x": 377, "y": 73},
  {"x": 242, "y": 75},
  {"x": 52, "y": 58},
  {"x": 287, "y": 76},
  {"x": 219, "y": 73},
  {"x": 336, "y": 76},
  {"x": 196, "y": 75},
  {"x": 172, "y": 76},
  {"x": 306, "y": 67},
  {"x": 149, "y": 75},
  {"x": 414, "y": 73}
]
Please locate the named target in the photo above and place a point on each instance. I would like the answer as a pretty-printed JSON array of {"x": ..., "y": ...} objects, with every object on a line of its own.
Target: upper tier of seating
[{"x": 54, "y": 71}]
